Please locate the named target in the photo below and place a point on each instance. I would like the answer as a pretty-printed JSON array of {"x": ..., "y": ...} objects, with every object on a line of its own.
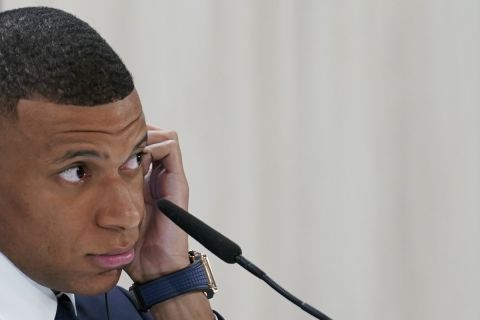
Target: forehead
[
  {"x": 47, "y": 118},
  {"x": 44, "y": 130}
]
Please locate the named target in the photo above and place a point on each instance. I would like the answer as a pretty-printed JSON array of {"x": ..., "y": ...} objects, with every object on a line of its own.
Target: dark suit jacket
[{"x": 120, "y": 307}]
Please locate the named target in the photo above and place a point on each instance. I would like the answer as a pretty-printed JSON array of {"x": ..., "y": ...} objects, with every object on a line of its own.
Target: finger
[
  {"x": 152, "y": 127},
  {"x": 168, "y": 153},
  {"x": 162, "y": 133},
  {"x": 159, "y": 136}
]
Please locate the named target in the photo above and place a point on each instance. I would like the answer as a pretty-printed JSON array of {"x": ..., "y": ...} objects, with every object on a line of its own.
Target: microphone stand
[
  {"x": 226, "y": 250},
  {"x": 259, "y": 273}
]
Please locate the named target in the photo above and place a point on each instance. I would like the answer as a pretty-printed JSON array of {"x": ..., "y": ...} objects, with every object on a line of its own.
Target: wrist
[
  {"x": 170, "y": 265},
  {"x": 152, "y": 270},
  {"x": 192, "y": 305},
  {"x": 196, "y": 277}
]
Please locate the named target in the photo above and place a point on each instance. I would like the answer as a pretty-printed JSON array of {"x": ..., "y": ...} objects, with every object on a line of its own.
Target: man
[{"x": 80, "y": 171}]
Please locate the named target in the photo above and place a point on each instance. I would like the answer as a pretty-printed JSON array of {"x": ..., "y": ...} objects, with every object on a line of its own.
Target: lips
[{"x": 114, "y": 259}]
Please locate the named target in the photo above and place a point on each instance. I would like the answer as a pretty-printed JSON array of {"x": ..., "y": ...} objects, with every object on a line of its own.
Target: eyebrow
[{"x": 71, "y": 154}]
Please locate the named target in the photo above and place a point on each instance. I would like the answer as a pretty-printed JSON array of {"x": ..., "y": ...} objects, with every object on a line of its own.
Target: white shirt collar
[{"x": 23, "y": 298}]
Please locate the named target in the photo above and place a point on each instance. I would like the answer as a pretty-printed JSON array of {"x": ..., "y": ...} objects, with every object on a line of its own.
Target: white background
[{"x": 337, "y": 141}]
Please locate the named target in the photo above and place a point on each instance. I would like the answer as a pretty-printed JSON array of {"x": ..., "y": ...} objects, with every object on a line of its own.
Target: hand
[{"x": 162, "y": 247}]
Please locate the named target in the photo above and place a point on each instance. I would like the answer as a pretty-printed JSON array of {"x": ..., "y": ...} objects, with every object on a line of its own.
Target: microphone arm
[{"x": 226, "y": 249}]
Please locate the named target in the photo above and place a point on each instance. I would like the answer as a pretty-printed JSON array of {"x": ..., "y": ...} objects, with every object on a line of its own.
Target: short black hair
[{"x": 51, "y": 54}]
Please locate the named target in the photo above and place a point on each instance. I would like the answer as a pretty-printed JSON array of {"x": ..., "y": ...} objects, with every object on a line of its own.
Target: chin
[{"x": 101, "y": 283}]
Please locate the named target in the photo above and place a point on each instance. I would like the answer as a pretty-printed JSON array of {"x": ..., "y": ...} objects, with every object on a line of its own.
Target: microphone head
[{"x": 218, "y": 244}]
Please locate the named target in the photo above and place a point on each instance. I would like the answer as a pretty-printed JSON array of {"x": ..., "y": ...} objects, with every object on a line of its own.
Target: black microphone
[{"x": 226, "y": 249}]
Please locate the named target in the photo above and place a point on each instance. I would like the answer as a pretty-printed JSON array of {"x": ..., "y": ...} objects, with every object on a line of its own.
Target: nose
[{"x": 122, "y": 206}]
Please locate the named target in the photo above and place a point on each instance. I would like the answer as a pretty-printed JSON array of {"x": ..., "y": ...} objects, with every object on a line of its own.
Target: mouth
[{"x": 113, "y": 259}]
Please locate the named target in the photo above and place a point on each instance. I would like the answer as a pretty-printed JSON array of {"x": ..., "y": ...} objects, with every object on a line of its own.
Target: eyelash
[{"x": 139, "y": 156}]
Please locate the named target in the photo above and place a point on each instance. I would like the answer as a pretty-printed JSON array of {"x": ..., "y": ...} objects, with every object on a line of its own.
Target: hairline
[{"x": 12, "y": 114}]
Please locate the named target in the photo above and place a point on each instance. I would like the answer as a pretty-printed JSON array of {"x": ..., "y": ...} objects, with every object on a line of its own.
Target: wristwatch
[{"x": 196, "y": 277}]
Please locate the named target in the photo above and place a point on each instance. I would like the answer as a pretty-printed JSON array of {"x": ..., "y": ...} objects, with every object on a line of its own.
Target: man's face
[{"x": 71, "y": 191}]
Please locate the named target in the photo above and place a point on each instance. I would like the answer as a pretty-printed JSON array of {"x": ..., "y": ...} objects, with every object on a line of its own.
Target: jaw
[{"x": 92, "y": 285}]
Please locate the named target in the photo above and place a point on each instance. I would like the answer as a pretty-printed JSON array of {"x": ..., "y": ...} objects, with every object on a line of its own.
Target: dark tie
[{"x": 65, "y": 309}]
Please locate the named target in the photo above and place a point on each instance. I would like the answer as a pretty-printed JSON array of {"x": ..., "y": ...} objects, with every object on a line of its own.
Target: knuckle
[
  {"x": 171, "y": 144},
  {"x": 171, "y": 134}
]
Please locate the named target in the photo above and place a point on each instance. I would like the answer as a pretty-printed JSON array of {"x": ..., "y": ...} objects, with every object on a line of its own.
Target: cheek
[
  {"x": 135, "y": 188},
  {"x": 140, "y": 190},
  {"x": 22, "y": 219},
  {"x": 54, "y": 227},
  {"x": 51, "y": 228},
  {"x": 32, "y": 239}
]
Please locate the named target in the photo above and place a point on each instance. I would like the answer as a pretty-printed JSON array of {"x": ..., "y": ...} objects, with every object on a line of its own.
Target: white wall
[{"x": 337, "y": 141}]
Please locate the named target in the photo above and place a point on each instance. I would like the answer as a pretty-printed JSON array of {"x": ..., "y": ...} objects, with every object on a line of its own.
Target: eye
[
  {"x": 134, "y": 162},
  {"x": 74, "y": 174}
]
